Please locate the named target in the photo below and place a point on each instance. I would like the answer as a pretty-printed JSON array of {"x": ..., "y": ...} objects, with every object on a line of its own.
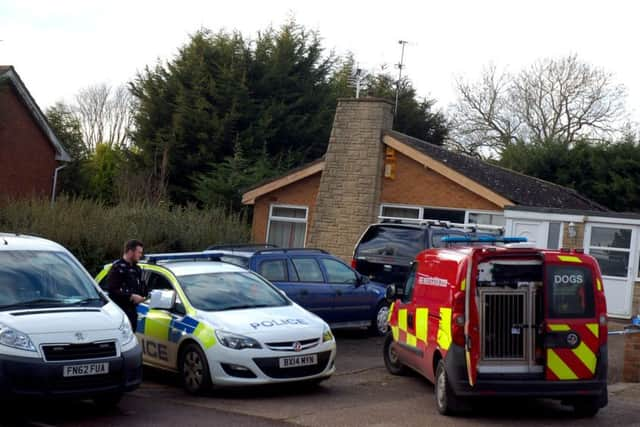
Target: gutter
[{"x": 55, "y": 182}]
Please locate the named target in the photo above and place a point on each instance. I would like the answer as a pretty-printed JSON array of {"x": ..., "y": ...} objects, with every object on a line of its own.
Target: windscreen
[
  {"x": 230, "y": 291},
  {"x": 405, "y": 242},
  {"x": 39, "y": 279},
  {"x": 570, "y": 291}
]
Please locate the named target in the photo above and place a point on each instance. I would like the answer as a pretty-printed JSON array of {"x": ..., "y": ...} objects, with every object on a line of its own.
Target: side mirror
[
  {"x": 391, "y": 293},
  {"x": 362, "y": 280},
  {"x": 162, "y": 300}
]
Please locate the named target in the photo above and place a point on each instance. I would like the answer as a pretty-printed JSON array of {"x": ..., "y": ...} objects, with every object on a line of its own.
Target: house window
[
  {"x": 485, "y": 218},
  {"x": 287, "y": 226},
  {"x": 611, "y": 247},
  {"x": 451, "y": 215},
  {"x": 554, "y": 238},
  {"x": 408, "y": 212}
]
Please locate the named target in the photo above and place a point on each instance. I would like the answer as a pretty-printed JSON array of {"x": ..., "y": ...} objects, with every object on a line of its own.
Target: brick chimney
[{"x": 349, "y": 190}]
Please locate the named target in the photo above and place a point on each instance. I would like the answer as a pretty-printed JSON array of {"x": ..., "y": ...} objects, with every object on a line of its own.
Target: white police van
[
  {"x": 218, "y": 324},
  {"x": 60, "y": 336}
]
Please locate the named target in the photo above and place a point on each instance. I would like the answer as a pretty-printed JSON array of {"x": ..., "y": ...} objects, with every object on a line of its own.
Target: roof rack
[
  {"x": 441, "y": 223},
  {"x": 182, "y": 256},
  {"x": 483, "y": 239},
  {"x": 240, "y": 246},
  {"x": 285, "y": 250}
]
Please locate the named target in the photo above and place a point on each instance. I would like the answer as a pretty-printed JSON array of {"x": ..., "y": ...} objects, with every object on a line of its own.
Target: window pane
[
  {"x": 399, "y": 212},
  {"x": 289, "y": 212},
  {"x": 570, "y": 292},
  {"x": 444, "y": 215},
  {"x": 498, "y": 220},
  {"x": 479, "y": 218},
  {"x": 391, "y": 241},
  {"x": 611, "y": 237},
  {"x": 612, "y": 263},
  {"x": 410, "y": 284},
  {"x": 287, "y": 234},
  {"x": 308, "y": 270},
  {"x": 553, "y": 241},
  {"x": 274, "y": 270},
  {"x": 338, "y": 272},
  {"x": 159, "y": 282}
]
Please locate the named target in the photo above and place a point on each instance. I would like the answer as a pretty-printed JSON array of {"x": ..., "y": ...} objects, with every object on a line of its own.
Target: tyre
[
  {"x": 379, "y": 323},
  {"x": 194, "y": 369},
  {"x": 106, "y": 402},
  {"x": 446, "y": 400},
  {"x": 586, "y": 407},
  {"x": 391, "y": 360}
]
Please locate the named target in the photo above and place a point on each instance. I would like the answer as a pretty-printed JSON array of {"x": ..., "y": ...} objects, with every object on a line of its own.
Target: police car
[
  {"x": 60, "y": 336},
  {"x": 218, "y": 324}
]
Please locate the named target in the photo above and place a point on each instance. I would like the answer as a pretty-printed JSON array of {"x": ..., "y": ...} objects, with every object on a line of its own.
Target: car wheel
[
  {"x": 106, "y": 402},
  {"x": 380, "y": 321},
  {"x": 446, "y": 400},
  {"x": 391, "y": 360},
  {"x": 586, "y": 408},
  {"x": 194, "y": 368}
]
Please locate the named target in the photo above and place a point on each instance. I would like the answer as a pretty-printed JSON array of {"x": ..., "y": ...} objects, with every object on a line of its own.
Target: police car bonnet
[{"x": 267, "y": 320}]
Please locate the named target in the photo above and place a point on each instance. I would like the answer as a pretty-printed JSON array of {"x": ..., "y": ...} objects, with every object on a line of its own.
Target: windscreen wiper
[{"x": 88, "y": 301}]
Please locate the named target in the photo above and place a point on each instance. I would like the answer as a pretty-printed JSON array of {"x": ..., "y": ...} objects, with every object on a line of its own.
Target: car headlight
[
  {"x": 235, "y": 341},
  {"x": 327, "y": 335},
  {"x": 126, "y": 333},
  {"x": 16, "y": 339}
]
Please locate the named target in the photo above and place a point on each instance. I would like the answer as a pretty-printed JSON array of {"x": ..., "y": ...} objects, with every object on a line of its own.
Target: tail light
[
  {"x": 458, "y": 319},
  {"x": 601, "y": 312},
  {"x": 354, "y": 263}
]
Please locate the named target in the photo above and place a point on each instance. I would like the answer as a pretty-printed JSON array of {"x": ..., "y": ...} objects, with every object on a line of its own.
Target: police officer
[{"x": 125, "y": 284}]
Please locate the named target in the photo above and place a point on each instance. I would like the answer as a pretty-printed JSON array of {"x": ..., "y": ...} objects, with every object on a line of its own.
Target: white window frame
[
  {"x": 631, "y": 250},
  {"x": 479, "y": 211},
  {"x": 289, "y": 219}
]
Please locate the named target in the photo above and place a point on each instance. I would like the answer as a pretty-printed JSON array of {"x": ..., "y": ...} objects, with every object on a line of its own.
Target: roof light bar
[
  {"x": 183, "y": 256},
  {"x": 483, "y": 239}
]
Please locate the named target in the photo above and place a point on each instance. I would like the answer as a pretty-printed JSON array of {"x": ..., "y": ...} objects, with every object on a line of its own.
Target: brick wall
[
  {"x": 302, "y": 193},
  {"x": 27, "y": 158},
  {"x": 575, "y": 242},
  {"x": 415, "y": 184},
  {"x": 350, "y": 185}
]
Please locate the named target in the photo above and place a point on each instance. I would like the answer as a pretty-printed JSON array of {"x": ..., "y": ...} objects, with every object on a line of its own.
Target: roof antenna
[
  {"x": 5, "y": 241},
  {"x": 400, "y": 67}
]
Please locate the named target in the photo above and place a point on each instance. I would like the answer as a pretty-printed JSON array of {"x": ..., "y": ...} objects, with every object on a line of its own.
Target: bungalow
[{"x": 370, "y": 171}]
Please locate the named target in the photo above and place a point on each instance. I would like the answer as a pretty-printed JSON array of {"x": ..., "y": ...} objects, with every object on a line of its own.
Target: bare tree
[
  {"x": 105, "y": 114},
  {"x": 554, "y": 99}
]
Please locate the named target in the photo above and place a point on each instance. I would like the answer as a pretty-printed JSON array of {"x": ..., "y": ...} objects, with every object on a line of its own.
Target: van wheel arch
[{"x": 437, "y": 357}]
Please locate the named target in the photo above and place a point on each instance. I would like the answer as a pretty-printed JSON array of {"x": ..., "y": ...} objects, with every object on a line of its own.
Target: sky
[{"x": 59, "y": 47}]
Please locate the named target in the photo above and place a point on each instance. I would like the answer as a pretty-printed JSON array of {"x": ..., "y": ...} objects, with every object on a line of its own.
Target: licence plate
[
  {"x": 296, "y": 361},
  {"x": 86, "y": 369}
]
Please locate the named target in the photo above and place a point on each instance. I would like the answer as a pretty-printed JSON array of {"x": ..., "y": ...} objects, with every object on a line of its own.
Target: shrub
[{"x": 95, "y": 232}]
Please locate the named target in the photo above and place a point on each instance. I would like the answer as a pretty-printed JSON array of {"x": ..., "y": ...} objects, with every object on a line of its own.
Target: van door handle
[
  {"x": 410, "y": 320},
  {"x": 339, "y": 293},
  {"x": 304, "y": 292}
]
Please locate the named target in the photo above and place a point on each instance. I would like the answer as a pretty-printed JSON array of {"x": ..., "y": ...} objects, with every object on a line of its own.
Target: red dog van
[{"x": 503, "y": 321}]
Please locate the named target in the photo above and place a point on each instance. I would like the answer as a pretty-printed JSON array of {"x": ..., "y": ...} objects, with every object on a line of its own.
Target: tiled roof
[{"x": 521, "y": 189}]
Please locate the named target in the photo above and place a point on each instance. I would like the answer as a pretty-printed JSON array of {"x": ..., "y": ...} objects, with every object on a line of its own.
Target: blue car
[{"x": 319, "y": 282}]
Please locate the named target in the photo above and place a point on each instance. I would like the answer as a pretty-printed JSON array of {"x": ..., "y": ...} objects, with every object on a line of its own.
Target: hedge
[{"x": 95, "y": 232}]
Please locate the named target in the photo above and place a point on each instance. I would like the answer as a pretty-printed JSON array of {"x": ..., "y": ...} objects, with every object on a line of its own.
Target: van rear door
[{"x": 572, "y": 329}]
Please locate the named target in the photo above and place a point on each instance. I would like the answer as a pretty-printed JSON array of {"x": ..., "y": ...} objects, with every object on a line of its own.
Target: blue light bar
[
  {"x": 183, "y": 256},
  {"x": 483, "y": 239}
]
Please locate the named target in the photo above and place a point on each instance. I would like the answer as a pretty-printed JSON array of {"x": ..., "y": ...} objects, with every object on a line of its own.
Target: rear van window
[
  {"x": 570, "y": 291},
  {"x": 383, "y": 240}
]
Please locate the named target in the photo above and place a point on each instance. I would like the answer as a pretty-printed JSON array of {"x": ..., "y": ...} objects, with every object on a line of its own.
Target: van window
[
  {"x": 383, "y": 240},
  {"x": 36, "y": 279},
  {"x": 570, "y": 291},
  {"x": 410, "y": 284}
]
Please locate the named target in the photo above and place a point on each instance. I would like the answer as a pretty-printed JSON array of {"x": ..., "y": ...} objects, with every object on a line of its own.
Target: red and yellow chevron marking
[
  {"x": 577, "y": 363},
  {"x": 401, "y": 331}
]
